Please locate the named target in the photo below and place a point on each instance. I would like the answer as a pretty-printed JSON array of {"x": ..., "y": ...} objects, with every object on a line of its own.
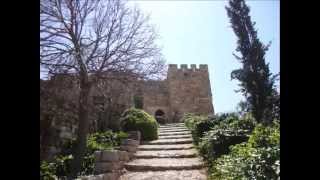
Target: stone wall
[
  {"x": 189, "y": 90},
  {"x": 156, "y": 97},
  {"x": 59, "y": 113},
  {"x": 186, "y": 90},
  {"x": 109, "y": 164}
]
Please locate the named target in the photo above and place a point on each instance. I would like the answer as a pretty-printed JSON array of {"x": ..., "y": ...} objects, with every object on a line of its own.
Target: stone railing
[{"x": 109, "y": 164}]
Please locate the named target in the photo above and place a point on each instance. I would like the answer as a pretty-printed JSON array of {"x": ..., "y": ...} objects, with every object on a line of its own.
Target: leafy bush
[
  {"x": 259, "y": 158},
  {"x": 60, "y": 166},
  {"x": 138, "y": 120},
  {"x": 206, "y": 124},
  {"x": 190, "y": 119},
  {"x": 201, "y": 127},
  {"x": 47, "y": 171},
  {"x": 228, "y": 132},
  {"x": 264, "y": 136},
  {"x": 226, "y": 116},
  {"x": 197, "y": 125},
  {"x": 105, "y": 140}
]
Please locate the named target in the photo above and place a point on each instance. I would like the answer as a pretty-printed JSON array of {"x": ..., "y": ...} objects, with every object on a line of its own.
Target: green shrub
[
  {"x": 189, "y": 120},
  {"x": 60, "y": 166},
  {"x": 105, "y": 140},
  {"x": 47, "y": 170},
  {"x": 226, "y": 116},
  {"x": 201, "y": 127},
  {"x": 228, "y": 132},
  {"x": 259, "y": 158},
  {"x": 119, "y": 137},
  {"x": 197, "y": 125},
  {"x": 264, "y": 136},
  {"x": 138, "y": 120}
]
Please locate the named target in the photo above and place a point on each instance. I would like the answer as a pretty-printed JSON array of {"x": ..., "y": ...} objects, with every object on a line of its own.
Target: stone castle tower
[{"x": 186, "y": 90}]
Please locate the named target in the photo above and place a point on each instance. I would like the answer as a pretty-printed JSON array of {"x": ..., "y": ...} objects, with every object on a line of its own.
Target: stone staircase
[{"x": 171, "y": 157}]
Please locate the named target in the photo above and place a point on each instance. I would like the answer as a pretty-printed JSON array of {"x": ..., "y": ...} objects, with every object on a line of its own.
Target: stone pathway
[{"x": 171, "y": 157}]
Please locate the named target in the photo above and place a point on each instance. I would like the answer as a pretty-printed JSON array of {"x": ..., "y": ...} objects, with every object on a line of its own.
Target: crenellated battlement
[{"x": 193, "y": 67}]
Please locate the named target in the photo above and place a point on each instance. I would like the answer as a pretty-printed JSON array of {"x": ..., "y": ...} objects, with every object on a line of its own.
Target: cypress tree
[{"x": 257, "y": 83}]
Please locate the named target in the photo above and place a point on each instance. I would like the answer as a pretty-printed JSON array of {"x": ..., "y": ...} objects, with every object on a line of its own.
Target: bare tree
[{"x": 90, "y": 37}]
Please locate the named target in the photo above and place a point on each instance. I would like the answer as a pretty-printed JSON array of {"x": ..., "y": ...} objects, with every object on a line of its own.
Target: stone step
[
  {"x": 167, "y": 131},
  {"x": 177, "y": 127},
  {"x": 171, "y": 126},
  {"x": 176, "y": 136},
  {"x": 177, "y": 123},
  {"x": 173, "y": 133},
  {"x": 189, "y": 153},
  {"x": 169, "y": 141},
  {"x": 200, "y": 174},
  {"x": 162, "y": 164},
  {"x": 165, "y": 147}
]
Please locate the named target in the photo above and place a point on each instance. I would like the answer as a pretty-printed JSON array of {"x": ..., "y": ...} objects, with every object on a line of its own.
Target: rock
[
  {"x": 170, "y": 157},
  {"x": 164, "y": 147},
  {"x": 111, "y": 176},
  {"x": 136, "y": 135},
  {"x": 198, "y": 174},
  {"x": 124, "y": 156},
  {"x": 169, "y": 141},
  {"x": 101, "y": 167},
  {"x": 128, "y": 148},
  {"x": 98, "y": 155},
  {"x": 65, "y": 135},
  {"x": 188, "y": 153},
  {"x": 130, "y": 142},
  {"x": 131, "y": 155},
  {"x": 164, "y": 164},
  {"x": 95, "y": 177},
  {"x": 110, "y": 156}
]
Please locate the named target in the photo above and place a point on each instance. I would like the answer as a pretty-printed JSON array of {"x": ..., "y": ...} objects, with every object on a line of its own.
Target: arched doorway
[{"x": 160, "y": 116}]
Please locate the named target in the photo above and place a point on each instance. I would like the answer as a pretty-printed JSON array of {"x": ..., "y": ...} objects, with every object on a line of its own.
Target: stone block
[
  {"x": 101, "y": 167},
  {"x": 97, "y": 156},
  {"x": 111, "y": 176},
  {"x": 128, "y": 148},
  {"x": 124, "y": 156},
  {"x": 65, "y": 135},
  {"x": 130, "y": 142},
  {"x": 184, "y": 66},
  {"x": 203, "y": 67},
  {"x": 131, "y": 155},
  {"x": 136, "y": 135},
  {"x": 97, "y": 177},
  {"x": 110, "y": 156},
  {"x": 173, "y": 66},
  {"x": 91, "y": 177}
]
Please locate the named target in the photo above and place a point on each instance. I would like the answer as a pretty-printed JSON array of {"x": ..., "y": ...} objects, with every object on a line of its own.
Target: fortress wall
[
  {"x": 189, "y": 90},
  {"x": 155, "y": 97}
]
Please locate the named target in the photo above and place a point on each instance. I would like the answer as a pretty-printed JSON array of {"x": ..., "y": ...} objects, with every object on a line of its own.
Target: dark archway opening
[{"x": 160, "y": 116}]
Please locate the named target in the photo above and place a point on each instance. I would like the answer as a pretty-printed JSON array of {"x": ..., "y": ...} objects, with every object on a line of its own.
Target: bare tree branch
[{"x": 96, "y": 40}]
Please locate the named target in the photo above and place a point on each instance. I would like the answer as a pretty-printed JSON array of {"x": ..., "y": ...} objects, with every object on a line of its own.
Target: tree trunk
[{"x": 83, "y": 128}]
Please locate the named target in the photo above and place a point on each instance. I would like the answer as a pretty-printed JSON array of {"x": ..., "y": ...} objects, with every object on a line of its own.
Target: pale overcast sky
[{"x": 199, "y": 32}]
